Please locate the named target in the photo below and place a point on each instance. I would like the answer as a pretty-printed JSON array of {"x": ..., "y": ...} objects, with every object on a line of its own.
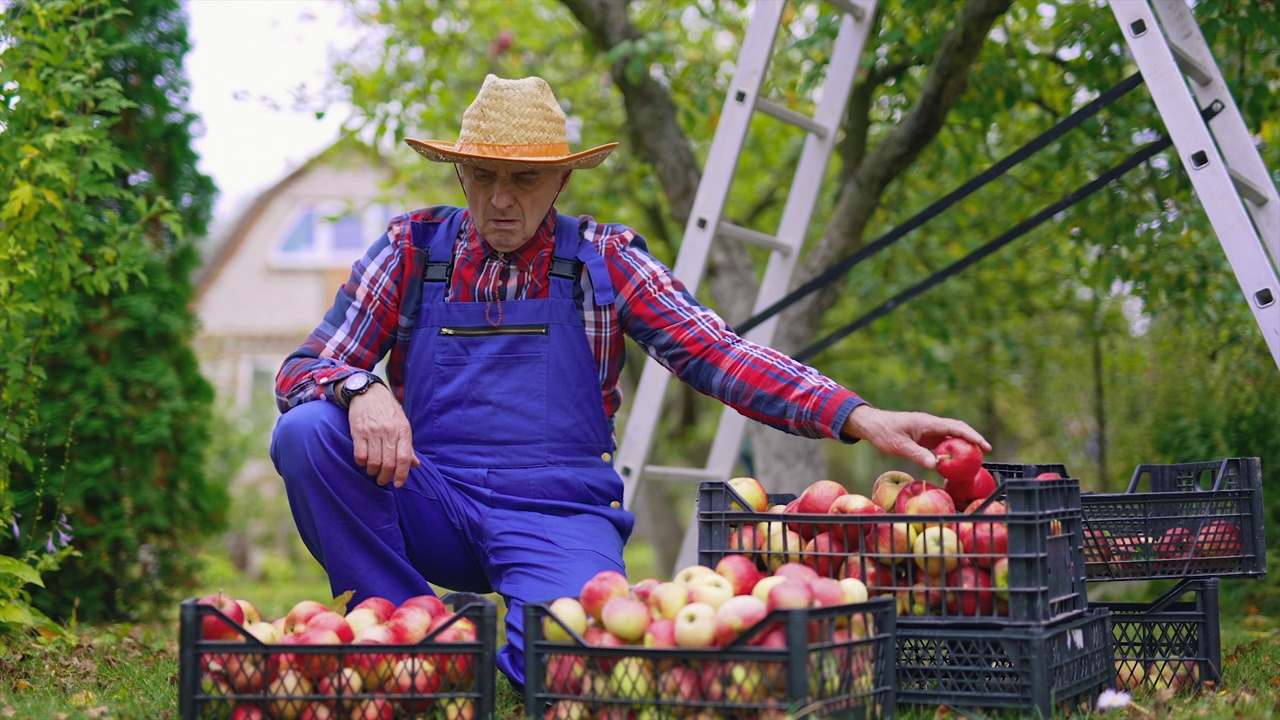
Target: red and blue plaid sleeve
[{"x": 657, "y": 311}]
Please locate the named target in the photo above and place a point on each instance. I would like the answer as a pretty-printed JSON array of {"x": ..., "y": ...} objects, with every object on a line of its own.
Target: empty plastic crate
[{"x": 1032, "y": 669}]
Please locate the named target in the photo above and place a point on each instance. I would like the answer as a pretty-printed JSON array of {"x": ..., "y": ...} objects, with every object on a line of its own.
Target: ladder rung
[
  {"x": 773, "y": 109},
  {"x": 1189, "y": 65},
  {"x": 671, "y": 473},
  {"x": 755, "y": 237},
  {"x": 1245, "y": 187}
]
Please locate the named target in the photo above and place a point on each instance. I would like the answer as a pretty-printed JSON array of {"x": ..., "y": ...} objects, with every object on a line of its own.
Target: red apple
[
  {"x": 932, "y": 501},
  {"x": 565, "y": 673},
  {"x": 360, "y": 618},
  {"x": 865, "y": 569},
  {"x": 958, "y": 459},
  {"x": 884, "y": 492},
  {"x": 316, "y": 665},
  {"x": 790, "y": 594},
  {"x": 301, "y": 613},
  {"x": 641, "y": 590},
  {"x": 372, "y": 708},
  {"x": 827, "y": 592},
  {"x": 430, "y": 603},
  {"x": 746, "y": 540},
  {"x": 908, "y": 491},
  {"x": 762, "y": 588},
  {"x": 667, "y": 599},
  {"x": 680, "y": 684},
  {"x": 686, "y": 575},
  {"x": 969, "y": 592},
  {"x": 410, "y": 623},
  {"x": 329, "y": 620},
  {"x": 381, "y": 606},
  {"x": 889, "y": 542},
  {"x": 985, "y": 542},
  {"x": 626, "y": 617},
  {"x": 417, "y": 676},
  {"x": 661, "y": 633},
  {"x": 1218, "y": 539},
  {"x": 784, "y": 546},
  {"x": 374, "y": 668},
  {"x": 750, "y": 490},
  {"x": 216, "y": 628},
  {"x": 824, "y": 553},
  {"x": 602, "y": 587},
  {"x": 978, "y": 487},
  {"x": 1048, "y": 476},
  {"x": 738, "y": 614},
  {"x": 796, "y": 570},
  {"x": 854, "y": 504},
  {"x": 287, "y": 691},
  {"x": 741, "y": 572},
  {"x": 816, "y": 500}
]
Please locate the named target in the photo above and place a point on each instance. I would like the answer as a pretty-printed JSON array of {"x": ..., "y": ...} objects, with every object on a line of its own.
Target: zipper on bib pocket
[{"x": 501, "y": 330}]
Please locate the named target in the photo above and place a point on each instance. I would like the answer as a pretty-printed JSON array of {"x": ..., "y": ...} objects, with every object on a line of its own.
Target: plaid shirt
[{"x": 373, "y": 315}]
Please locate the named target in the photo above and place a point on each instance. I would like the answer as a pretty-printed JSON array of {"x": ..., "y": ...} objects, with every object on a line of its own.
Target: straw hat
[{"x": 513, "y": 122}]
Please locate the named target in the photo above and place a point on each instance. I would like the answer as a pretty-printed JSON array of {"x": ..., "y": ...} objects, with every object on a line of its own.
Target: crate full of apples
[
  {"x": 985, "y": 548},
  {"x": 725, "y": 642},
  {"x": 424, "y": 657}
]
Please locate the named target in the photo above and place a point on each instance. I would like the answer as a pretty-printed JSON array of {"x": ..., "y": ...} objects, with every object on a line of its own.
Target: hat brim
[{"x": 439, "y": 151}]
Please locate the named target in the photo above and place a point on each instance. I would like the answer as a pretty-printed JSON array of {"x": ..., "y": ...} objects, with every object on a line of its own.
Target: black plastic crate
[
  {"x": 1044, "y": 560},
  {"x": 444, "y": 679},
  {"x": 822, "y": 670},
  {"x": 1172, "y": 642},
  {"x": 1183, "y": 520},
  {"x": 1033, "y": 669}
]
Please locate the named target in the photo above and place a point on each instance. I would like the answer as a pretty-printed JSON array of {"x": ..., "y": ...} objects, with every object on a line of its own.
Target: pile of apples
[
  {"x": 1175, "y": 675},
  {"x": 1217, "y": 546},
  {"x": 902, "y": 541},
  {"x": 702, "y": 608},
  {"x": 360, "y": 660}
]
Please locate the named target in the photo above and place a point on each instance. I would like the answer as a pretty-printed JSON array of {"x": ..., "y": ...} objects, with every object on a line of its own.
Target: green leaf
[{"x": 20, "y": 570}]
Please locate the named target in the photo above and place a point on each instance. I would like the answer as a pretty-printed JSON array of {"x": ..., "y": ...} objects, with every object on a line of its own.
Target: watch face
[{"x": 356, "y": 382}]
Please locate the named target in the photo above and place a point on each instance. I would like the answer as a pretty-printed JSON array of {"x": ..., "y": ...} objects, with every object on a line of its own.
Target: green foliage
[{"x": 104, "y": 408}]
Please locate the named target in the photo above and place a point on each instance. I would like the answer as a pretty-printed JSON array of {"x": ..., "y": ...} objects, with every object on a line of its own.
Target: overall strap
[
  {"x": 572, "y": 254},
  {"x": 438, "y": 240}
]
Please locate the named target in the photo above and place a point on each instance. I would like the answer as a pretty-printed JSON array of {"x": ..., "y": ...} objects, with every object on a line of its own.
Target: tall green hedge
[{"x": 105, "y": 412}]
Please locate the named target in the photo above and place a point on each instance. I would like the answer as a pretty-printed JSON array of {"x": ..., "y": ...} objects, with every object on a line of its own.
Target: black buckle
[
  {"x": 436, "y": 272},
  {"x": 565, "y": 268}
]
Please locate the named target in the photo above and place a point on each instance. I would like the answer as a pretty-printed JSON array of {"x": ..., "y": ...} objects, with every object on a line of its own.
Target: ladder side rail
[
  {"x": 1232, "y": 135},
  {"x": 794, "y": 223},
  {"x": 713, "y": 188},
  {"x": 1206, "y": 168}
]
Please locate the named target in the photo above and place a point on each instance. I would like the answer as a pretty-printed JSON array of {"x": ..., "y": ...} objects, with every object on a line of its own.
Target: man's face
[{"x": 508, "y": 204}]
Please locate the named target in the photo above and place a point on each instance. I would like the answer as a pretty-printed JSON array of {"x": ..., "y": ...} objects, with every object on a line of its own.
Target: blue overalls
[{"x": 516, "y": 493}]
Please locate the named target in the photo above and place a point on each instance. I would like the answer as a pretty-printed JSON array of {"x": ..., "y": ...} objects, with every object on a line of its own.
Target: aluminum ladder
[
  {"x": 706, "y": 225},
  {"x": 1220, "y": 157}
]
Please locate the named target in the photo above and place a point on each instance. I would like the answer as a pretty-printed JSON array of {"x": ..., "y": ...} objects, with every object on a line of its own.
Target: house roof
[{"x": 346, "y": 147}]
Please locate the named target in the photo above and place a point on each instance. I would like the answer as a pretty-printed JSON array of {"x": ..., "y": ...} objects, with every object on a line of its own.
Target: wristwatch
[{"x": 357, "y": 383}]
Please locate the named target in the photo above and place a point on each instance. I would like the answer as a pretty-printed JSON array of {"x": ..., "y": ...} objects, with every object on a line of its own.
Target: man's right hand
[{"x": 382, "y": 436}]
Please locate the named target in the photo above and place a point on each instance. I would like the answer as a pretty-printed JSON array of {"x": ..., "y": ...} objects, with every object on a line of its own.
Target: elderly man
[{"x": 483, "y": 463}]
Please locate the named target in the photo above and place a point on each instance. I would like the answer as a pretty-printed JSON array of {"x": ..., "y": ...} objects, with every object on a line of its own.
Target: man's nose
[{"x": 503, "y": 193}]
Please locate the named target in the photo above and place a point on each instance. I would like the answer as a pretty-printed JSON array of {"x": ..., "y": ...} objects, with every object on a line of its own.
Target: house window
[{"x": 328, "y": 235}]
